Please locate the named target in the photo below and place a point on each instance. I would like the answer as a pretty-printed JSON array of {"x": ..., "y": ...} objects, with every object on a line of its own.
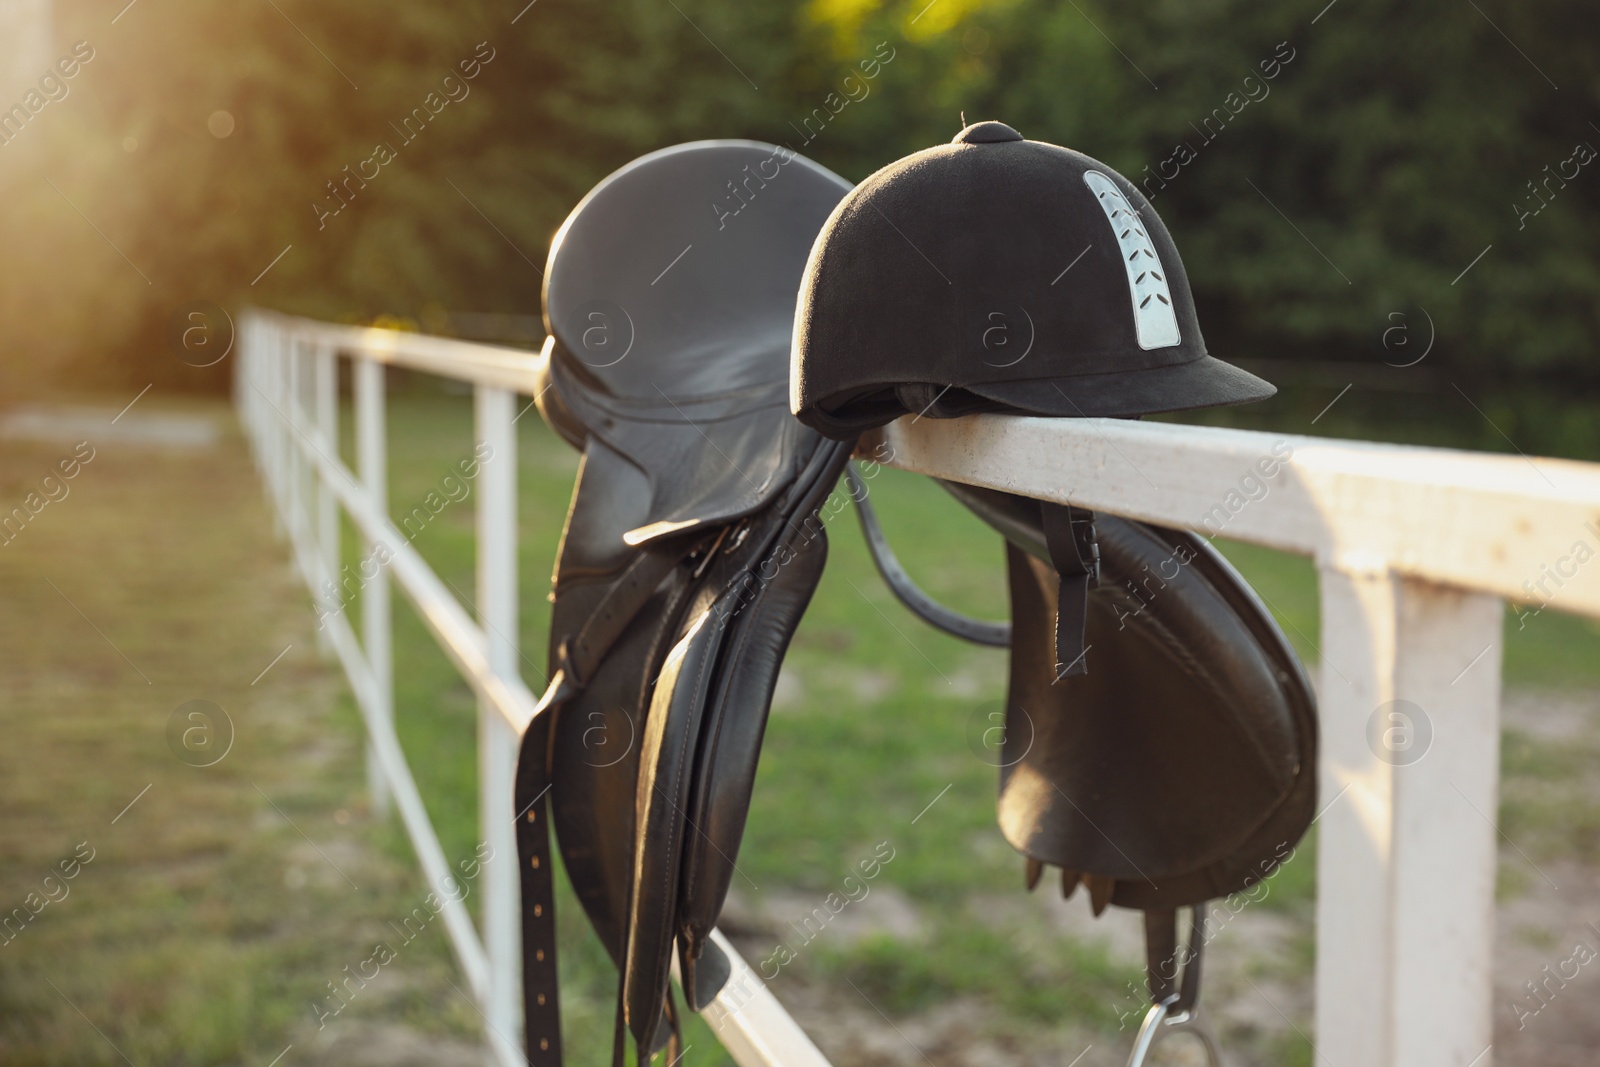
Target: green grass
[
  {"x": 1549, "y": 804},
  {"x": 205, "y": 924},
  {"x": 1035, "y": 980},
  {"x": 1547, "y": 649}
]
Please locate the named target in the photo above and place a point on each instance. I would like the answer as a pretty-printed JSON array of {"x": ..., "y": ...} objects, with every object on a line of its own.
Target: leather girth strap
[
  {"x": 1075, "y": 553},
  {"x": 542, "y": 1011}
]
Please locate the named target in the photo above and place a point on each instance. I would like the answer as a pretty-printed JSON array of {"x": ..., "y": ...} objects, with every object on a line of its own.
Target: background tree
[{"x": 1394, "y": 144}]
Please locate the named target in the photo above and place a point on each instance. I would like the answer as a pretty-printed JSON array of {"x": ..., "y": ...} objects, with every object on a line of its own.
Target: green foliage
[{"x": 1392, "y": 145}]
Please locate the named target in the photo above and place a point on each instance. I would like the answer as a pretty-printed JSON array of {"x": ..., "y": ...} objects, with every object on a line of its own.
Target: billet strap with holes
[
  {"x": 579, "y": 655},
  {"x": 1075, "y": 553},
  {"x": 542, "y": 1013}
]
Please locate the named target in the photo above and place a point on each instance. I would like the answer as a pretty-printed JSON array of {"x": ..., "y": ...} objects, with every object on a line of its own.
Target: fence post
[
  {"x": 1410, "y": 701},
  {"x": 376, "y": 618},
  {"x": 277, "y": 458},
  {"x": 293, "y": 466},
  {"x": 276, "y": 390},
  {"x": 241, "y": 379},
  {"x": 496, "y": 444},
  {"x": 250, "y": 380},
  {"x": 306, "y": 419},
  {"x": 267, "y": 368},
  {"x": 303, "y": 412},
  {"x": 327, "y": 403}
]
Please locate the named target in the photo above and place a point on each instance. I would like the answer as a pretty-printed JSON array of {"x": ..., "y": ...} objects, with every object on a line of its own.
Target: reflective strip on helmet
[{"x": 1153, "y": 316}]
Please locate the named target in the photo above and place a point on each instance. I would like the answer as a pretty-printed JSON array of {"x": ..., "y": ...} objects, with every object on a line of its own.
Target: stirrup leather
[{"x": 1175, "y": 1008}]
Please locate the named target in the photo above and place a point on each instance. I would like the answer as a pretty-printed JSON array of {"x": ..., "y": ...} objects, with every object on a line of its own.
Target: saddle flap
[
  {"x": 1188, "y": 742},
  {"x": 591, "y": 744},
  {"x": 666, "y": 771},
  {"x": 703, "y": 735},
  {"x": 763, "y": 614}
]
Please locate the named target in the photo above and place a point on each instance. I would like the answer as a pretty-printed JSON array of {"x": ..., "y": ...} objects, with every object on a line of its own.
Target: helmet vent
[{"x": 1153, "y": 317}]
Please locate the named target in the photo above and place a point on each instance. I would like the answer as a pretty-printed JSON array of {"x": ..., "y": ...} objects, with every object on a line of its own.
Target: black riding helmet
[{"x": 998, "y": 274}]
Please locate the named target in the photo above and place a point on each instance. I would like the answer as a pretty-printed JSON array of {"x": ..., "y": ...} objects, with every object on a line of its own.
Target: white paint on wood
[
  {"x": 460, "y": 638},
  {"x": 1477, "y": 521},
  {"x": 295, "y": 473},
  {"x": 326, "y": 389},
  {"x": 1445, "y": 847},
  {"x": 750, "y": 1022},
  {"x": 372, "y": 440},
  {"x": 468, "y": 361},
  {"x": 1353, "y": 832},
  {"x": 1406, "y": 849},
  {"x": 497, "y": 745}
]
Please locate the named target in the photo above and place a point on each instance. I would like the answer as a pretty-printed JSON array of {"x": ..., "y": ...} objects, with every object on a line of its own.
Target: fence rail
[{"x": 1415, "y": 549}]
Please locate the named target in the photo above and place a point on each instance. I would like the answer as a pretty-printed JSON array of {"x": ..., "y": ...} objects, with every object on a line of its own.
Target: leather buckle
[
  {"x": 1086, "y": 540},
  {"x": 710, "y": 552}
]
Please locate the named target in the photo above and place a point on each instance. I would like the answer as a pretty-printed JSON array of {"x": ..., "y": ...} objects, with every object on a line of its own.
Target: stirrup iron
[{"x": 1161, "y": 1022}]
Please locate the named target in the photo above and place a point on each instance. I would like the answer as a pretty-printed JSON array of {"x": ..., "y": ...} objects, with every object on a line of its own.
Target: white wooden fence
[{"x": 1415, "y": 549}]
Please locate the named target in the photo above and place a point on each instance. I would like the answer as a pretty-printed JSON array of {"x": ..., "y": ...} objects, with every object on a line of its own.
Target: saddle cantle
[{"x": 691, "y": 550}]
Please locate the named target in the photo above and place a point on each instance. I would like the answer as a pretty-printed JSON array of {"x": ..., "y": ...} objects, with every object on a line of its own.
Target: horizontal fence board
[
  {"x": 1524, "y": 529},
  {"x": 470, "y": 361}
]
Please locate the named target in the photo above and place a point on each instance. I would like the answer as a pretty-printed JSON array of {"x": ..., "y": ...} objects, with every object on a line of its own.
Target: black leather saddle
[
  {"x": 691, "y": 550},
  {"x": 1160, "y": 734}
]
